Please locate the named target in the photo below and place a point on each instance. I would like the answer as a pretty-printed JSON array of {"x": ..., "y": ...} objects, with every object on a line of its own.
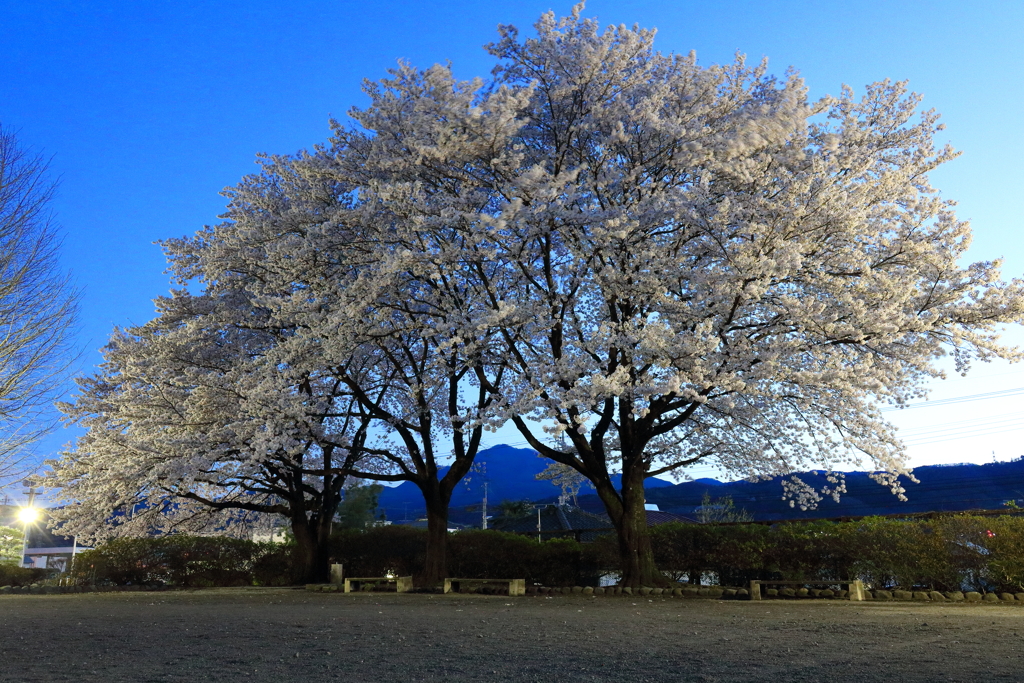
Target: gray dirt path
[{"x": 279, "y": 635}]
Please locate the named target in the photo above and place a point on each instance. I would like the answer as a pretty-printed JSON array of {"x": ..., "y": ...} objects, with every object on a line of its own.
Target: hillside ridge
[{"x": 510, "y": 475}]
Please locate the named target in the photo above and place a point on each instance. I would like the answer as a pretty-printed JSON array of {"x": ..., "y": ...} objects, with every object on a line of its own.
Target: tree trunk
[
  {"x": 435, "y": 567},
  {"x": 635, "y": 552},
  {"x": 627, "y": 513},
  {"x": 310, "y": 559}
]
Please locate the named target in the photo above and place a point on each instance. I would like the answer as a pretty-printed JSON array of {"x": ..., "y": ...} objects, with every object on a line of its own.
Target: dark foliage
[
  {"x": 188, "y": 561},
  {"x": 471, "y": 554},
  {"x": 497, "y": 555},
  {"x": 376, "y": 551},
  {"x": 946, "y": 553},
  {"x": 13, "y": 575},
  {"x": 358, "y": 509}
]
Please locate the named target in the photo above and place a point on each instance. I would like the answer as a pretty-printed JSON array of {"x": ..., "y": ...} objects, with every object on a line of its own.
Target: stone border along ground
[
  {"x": 720, "y": 593},
  {"x": 705, "y": 592}
]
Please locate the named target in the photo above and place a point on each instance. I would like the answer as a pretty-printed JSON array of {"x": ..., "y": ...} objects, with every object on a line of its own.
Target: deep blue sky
[{"x": 148, "y": 109}]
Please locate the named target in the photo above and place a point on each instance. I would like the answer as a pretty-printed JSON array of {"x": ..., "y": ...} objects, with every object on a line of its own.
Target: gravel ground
[{"x": 277, "y": 635}]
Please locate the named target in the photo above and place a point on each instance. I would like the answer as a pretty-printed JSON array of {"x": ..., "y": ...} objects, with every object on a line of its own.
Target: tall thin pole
[
  {"x": 31, "y": 493},
  {"x": 483, "y": 524},
  {"x": 24, "y": 544},
  {"x": 71, "y": 564}
]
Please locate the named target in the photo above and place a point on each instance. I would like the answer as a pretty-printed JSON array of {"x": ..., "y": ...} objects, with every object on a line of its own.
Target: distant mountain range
[
  {"x": 942, "y": 488},
  {"x": 510, "y": 475}
]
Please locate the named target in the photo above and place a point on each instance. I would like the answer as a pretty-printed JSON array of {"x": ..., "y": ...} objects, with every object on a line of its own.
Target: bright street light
[{"x": 28, "y": 515}]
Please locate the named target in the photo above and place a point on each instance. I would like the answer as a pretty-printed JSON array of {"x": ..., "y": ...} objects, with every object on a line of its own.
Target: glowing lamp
[{"x": 28, "y": 515}]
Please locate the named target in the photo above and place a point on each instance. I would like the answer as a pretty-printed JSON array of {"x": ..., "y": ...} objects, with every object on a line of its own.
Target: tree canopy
[
  {"x": 11, "y": 541},
  {"x": 642, "y": 262}
]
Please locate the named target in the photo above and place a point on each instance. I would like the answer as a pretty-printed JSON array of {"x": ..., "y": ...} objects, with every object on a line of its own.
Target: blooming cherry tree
[
  {"x": 642, "y": 262},
  {"x": 213, "y": 416},
  {"x": 327, "y": 343},
  {"x": 689, "y": 264},
  {"x": 369, "y": 280}
]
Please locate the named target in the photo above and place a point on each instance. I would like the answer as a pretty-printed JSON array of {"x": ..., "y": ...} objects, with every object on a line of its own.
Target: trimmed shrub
[
  {"x": 375, "y": 551},
  {"x": 815, "y": 551},
  {"x": 498, "y": 555},
  {"x": 180, "y": 560},
  {"x": 947, "y": 553},
  {"x": 13, "y": 575},
  {"x": 1003, "y": 539},
  {"x": 472, "y": 554}
]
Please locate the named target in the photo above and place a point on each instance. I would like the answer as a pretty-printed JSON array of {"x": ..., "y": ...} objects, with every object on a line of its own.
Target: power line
[
  {"x": 966, "y": 435},
  {"x": 963, "y": 429},
  {"x": 953, "y": 431},
  {"x": 957, "y": 399},
  {"x": 970, "y": 423}
]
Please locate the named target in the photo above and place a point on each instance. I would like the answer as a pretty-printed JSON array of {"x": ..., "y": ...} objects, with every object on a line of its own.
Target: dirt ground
[{"x": 277, "y": 635}]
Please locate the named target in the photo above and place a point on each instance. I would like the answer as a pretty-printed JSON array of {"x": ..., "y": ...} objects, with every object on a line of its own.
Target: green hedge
[
  {"x": 13, "y": 575},
  {"x": 192, "y": 561},
  {"x": 471, "y": 554},
  {"x": 377, "y": 551},
  {"x": 497, "y": 555},
  {"x": 944, "y": 553}
]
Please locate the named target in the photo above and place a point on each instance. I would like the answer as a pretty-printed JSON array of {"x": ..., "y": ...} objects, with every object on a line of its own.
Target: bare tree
[{"x": 38, "y": 305}]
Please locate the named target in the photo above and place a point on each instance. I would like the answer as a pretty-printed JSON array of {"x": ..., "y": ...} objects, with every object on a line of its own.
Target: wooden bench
[
  {"x": 515, "y": 586},
  {"x": 856, "y": 586},
  {"x": 403, "y": 584}
]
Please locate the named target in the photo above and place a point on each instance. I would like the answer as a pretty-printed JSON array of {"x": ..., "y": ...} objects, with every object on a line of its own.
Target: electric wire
[
  {"x": 962, "y": 429},
  {"x": 944, "y": 439},
  {"x": 951, "y": 431},
  {"x": 959, "y": 433},
  {"x": 956, "y": 399},
  {"x": 969, "y": 423}
]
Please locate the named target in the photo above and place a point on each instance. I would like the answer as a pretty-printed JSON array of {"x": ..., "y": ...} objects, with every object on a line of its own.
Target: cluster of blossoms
[{"x": 641, "y": 262}]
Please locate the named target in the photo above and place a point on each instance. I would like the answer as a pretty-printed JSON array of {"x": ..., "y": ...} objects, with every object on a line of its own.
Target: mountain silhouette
[
  {"x": 510, "y": 475},
  {"x": 941, "y": 488}
]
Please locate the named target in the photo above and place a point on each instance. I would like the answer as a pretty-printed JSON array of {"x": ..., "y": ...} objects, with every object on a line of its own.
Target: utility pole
[
  {"x": 539, "y": 529},
  {"x": 483, "y": 524},
  {"x": 31, "y": 493},
  {"x": 28, "y": 517}
]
